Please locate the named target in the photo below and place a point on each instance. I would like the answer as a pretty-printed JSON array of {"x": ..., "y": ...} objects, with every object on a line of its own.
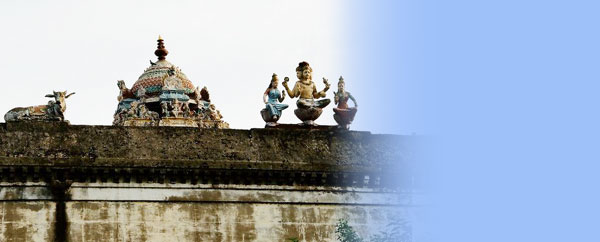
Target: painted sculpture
[
  {"x": 343, "y": 114},
  {"x": 164, "y": 96},
  {"x": 273, "y": 106},
  {"x": 309, "y": 109},
  {"x": 53, "y": 111}
]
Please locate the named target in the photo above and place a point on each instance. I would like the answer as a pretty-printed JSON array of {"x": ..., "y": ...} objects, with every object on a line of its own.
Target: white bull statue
[{"x": 53, "y": 111}]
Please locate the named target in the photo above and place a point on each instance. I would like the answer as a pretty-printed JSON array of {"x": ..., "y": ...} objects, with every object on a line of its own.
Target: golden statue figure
[{"x": 309, "y": 109}]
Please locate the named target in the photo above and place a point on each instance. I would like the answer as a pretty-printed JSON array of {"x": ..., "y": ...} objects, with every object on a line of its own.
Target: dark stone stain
[
  {"x": 143, "y": 231},
  {"x": 59, "y": 190}
]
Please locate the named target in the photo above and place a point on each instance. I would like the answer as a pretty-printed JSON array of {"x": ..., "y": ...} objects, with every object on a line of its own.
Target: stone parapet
[{"x": 37, "y": 151}]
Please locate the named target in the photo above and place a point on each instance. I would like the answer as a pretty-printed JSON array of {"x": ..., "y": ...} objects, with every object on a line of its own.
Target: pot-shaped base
[
  {"x": 308, "y": 115},
  {"x": 344, "y": 117}
]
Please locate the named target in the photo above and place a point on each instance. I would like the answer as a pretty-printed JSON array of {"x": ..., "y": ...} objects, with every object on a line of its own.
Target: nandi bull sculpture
[{"x": 53, "y": 111}]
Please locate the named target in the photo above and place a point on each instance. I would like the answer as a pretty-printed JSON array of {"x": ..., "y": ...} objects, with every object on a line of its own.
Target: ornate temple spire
[{"x": 160, "y": 51}]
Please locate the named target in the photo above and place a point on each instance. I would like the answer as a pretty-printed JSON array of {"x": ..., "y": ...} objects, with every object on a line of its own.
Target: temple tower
[{"x": 164, "y": 96}]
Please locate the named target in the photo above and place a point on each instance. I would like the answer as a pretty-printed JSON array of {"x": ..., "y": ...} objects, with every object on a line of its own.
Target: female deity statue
[
  {"x": 343, "y": 114},
  {"x": 272, "y": 99},
  {"x": 309, "y": 109}
]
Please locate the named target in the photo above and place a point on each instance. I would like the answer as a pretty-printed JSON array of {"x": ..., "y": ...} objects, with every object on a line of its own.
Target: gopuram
[
  {"x": 170, "y": 170},
  {"x": 164, "y": 96}
]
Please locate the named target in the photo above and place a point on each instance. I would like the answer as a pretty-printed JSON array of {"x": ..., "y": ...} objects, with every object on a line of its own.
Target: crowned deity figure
[
  {"x": 309, "y": 108},
  {"x": 272, "y": 99},
  {"x": 343, "y": 114}
]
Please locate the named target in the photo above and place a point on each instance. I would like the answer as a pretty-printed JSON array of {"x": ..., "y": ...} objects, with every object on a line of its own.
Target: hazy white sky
[{"x": 232, "y": 47}]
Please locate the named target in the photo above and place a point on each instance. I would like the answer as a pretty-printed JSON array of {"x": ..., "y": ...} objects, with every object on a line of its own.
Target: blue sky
[{"x": 509, "y": 92}]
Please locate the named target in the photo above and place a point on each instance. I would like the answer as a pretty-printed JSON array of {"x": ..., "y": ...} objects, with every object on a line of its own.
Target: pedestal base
[
  {"x": 308, "y": 115},
  {"x": 269, "y": 120},
  {"x": 344, "y": 117},
  {"x": 139, "y": 122},
  {"x": 178, "y": 122}
]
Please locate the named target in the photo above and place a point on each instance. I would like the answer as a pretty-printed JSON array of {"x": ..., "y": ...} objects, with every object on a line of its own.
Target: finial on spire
[{"x": 160, "y": 51}]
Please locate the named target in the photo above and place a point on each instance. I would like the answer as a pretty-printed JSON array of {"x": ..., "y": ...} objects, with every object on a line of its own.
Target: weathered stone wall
[
  {"x": 126, "y": 221},
  {"x": 117, "y": 212},
  {"x": 190, "y": 221},
  {"x": 27, "y": 220},
  {"x": 104, "y": 183}
]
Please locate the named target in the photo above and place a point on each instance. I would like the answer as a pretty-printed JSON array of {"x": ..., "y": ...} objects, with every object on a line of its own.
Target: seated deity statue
[
  {"x": 132, "y": 112},
  {"x": 214, "y": 114},
  {"x": 165, "y": 108},
  {"x": 272, "y": 99},
  {"x": 309, "y": 109},
  {"x": 176, "y": 108},
  {"x": 343, "y": 114}
]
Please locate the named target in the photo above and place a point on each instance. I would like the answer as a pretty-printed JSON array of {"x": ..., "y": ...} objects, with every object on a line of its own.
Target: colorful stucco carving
[
  {"x": 309, "y": 107},
  {"x": 53, "y": 111},
  {"x": 343, "y": 114},
  {"x": 272, "y": 99},
  {"x": 164, "y": 96}
]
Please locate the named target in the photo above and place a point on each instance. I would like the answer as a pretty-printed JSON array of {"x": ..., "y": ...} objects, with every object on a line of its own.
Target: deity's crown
[{"x": 302, "y": 66}]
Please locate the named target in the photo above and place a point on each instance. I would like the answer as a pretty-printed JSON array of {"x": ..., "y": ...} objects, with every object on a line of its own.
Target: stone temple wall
[{"x": 62, "y": 182}]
